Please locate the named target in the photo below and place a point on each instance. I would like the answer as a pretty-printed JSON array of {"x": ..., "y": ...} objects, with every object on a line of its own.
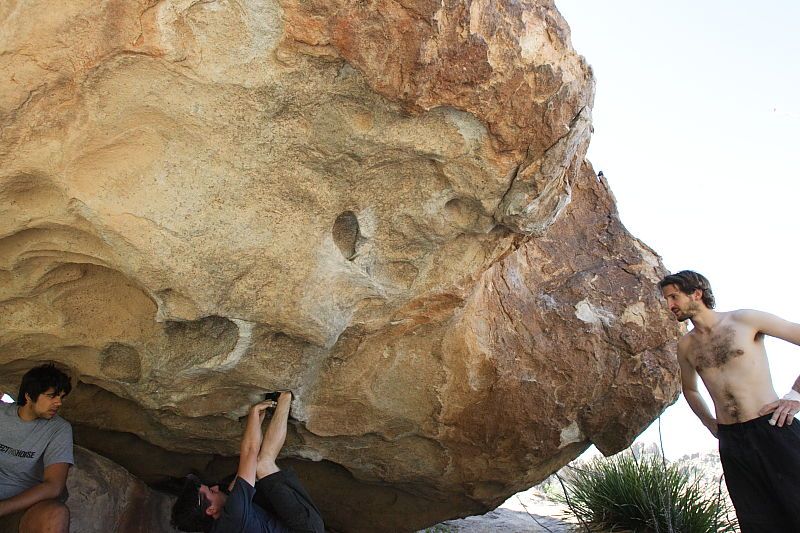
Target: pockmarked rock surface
[
  {"x": 104, "y": 498},
  {"x": 383, "y": 206}
]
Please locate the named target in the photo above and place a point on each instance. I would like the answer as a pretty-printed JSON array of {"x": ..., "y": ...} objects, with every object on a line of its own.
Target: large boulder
[
  {"x": 104, "y": 498},
  {"x": 383, "y": 206}
]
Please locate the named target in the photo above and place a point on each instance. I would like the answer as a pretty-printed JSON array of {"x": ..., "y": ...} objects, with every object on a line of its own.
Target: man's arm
[
  {"x": 771, "y": 325},
  {"x": 55, "y": 479},
  {"x": 783, "y": 410},
  {"x": 692, "y": 393},
  {"x": 251, "y": 442}
]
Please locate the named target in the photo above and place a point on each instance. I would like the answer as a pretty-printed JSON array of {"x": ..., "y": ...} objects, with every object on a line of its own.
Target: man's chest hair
[{"x": 716, "y": 348}]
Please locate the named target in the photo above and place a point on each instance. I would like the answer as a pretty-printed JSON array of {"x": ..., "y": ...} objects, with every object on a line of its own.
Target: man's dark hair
[
  {"x": 189, "y": 510},
  {"x": 687, "y": 282},
  {"x": 40, "y": 378}
]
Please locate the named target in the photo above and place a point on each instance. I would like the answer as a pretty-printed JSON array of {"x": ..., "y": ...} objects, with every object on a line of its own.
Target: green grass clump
[{"x": 645, "y": 494}]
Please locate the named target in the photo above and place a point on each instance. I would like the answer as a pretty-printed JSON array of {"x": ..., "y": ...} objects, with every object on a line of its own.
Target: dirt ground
[{"x": 525, "y": 512}]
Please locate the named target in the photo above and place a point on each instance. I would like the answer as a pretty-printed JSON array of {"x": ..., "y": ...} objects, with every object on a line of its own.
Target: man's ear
[{"x": 697, "y": 295}]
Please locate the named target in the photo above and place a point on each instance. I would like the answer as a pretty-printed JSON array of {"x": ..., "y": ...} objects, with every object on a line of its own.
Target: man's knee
[{"x": 48, "y": 516}]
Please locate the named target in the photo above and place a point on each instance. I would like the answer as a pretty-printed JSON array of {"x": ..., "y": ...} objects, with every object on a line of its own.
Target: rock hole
[
  {"x": 461, "y": 213},
  {"x": 345, "y": 234},
  {"x": 121, "y": 362}
]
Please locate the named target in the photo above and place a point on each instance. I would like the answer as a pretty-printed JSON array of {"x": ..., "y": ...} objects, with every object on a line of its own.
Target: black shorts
[
  {"x": 284, "y": 496},
  {"x": 762, "y": 471}
]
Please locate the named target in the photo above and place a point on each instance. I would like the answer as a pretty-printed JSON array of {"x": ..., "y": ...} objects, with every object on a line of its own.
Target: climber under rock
[{"x": 262, "y": 497}]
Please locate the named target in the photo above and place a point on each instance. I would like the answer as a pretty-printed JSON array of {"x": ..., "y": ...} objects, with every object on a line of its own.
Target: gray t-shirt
[{"x": 26, "y": 448}]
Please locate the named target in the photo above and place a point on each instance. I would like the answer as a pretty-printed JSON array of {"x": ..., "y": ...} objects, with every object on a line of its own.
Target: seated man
[
  {"x": 35, "y": 455},
  {"x": 281, "y": 503}
]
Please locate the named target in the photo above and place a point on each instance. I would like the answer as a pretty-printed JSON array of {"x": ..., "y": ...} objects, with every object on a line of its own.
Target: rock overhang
[{"x": 385, "y": 208}]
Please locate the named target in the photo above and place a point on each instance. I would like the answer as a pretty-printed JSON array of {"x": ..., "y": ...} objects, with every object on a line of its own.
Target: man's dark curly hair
[
  {"x": 687, "y": 282},
  {"x": 189, "y": 510},
  {"x": 40, "y": 378}
]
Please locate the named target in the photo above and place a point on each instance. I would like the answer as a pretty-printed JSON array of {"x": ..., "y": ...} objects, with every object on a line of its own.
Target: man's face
[
  {"x": 216, "y": 497},
  {"x": 47, "y": 404},
  {"x": 683, "y": 306}
]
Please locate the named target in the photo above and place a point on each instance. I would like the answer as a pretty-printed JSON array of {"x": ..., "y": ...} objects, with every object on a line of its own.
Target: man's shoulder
[
  {"x": 743, "y": 318},
  {"x": 235, "y": 513},
  {"x": 8, "y": 411},
  {"x": 742, "y": 314},
  {"x": 56, "y": 427},
  {"x": 686, "y": 341},
  {"x": 60, "y": 424},
  {"x": 242, "y": 491}
]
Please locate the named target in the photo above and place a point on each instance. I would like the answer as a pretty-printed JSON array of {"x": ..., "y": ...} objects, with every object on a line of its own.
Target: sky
[{"x": 696, "y": 121}]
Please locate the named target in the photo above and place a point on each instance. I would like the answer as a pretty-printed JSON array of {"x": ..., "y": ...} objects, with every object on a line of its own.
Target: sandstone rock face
[
  {"x": 381, "y": 205},
  {"x": 104, "y": 498}
]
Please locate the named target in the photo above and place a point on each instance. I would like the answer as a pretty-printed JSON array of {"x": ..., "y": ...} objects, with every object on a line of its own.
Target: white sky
[{"x": 696, "y": 119}]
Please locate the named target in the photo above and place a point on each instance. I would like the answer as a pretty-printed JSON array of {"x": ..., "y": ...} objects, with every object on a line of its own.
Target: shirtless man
[{"x": 758, "y": 445}]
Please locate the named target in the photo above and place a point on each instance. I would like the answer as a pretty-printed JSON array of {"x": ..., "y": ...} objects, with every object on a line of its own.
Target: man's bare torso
[{"x": 732, "y": 362}]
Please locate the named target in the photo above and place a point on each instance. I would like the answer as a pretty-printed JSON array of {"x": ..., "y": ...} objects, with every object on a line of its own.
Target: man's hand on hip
[{"x": 783, "y": 411}]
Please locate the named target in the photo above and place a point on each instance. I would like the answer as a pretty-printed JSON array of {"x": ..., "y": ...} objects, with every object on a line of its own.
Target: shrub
[{"x": 645, "y": 494}]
